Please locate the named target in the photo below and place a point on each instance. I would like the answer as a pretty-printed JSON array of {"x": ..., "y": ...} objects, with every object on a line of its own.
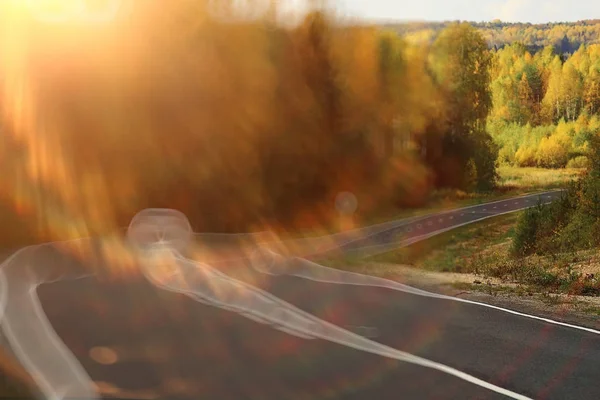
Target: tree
[
  {"x": 391, "y": 73},
  {"x": 460, "y": 62},
  {"x": 591, "y": 90},
  {"x": 571, "y": 91},
  {"x": 526, "y": 100},
  {"x": 552, "y": 103}
]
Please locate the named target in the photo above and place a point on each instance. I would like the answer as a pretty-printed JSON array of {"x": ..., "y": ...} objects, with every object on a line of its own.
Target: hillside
[{"x": 565, "y": 37}]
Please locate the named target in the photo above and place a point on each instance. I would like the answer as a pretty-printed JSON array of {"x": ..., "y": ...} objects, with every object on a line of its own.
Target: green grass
[
  {"x": 513, "y": 181},
  {"x": 484, "y": 249},
  {"x": 463, "y": 249},
  {"x": 455, "y": 250},
  {"x": 534, "y": 179}
]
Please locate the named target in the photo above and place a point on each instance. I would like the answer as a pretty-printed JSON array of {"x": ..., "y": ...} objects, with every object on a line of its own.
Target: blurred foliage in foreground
[{"x": 239, "y": 123}]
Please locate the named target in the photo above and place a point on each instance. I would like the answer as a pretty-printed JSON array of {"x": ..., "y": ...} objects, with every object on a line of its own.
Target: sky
[{"x": 534, "y": 11}]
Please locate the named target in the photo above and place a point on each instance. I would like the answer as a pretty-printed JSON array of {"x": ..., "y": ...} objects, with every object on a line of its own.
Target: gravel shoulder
[{"x": 578, "y": 310}]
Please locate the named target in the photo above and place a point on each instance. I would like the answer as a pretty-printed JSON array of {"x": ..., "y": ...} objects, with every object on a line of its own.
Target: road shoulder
[{"x": 577, "y": 310}]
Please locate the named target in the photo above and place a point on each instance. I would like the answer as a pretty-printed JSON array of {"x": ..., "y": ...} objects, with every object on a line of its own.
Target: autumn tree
[
  {"x": 391, "y": 73},
  {"x": 460, "y": 63},
  {"x": 553, "y": 107},
  {"x": 571, "y": 91},
  {"x": 591, "y": 90}
]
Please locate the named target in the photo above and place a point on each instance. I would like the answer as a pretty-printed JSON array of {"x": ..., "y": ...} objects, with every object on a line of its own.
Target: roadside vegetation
[
  {"x": 512, "y": 181},
  {"x": 548, "y": 248},
  {"x": 487, "y": 251},
  {"x": 457, "y": 250},
  {"x": 532, "y": 179}
]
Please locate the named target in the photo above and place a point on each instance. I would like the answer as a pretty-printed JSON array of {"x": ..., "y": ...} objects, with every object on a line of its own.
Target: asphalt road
[
  {"x": 371, "y": 241},
  {"x": 138, "y": 341}
]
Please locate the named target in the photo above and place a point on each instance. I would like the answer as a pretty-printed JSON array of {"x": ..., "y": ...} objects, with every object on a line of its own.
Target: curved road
[
  {"x": 391, "y": 235},
  {"x": 137, "y": 341}
]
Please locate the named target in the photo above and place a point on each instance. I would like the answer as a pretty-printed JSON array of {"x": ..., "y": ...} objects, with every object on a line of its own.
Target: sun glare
[{"x": 74, "y": 11}]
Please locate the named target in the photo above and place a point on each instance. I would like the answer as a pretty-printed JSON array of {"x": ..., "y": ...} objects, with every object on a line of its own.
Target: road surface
[
  {"x": 373, "y": 241},
  {"x": 138, "y": 341}
]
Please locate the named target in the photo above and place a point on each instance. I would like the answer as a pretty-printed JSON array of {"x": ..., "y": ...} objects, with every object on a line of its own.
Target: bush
[
  {"x": 578, "y": 162},
  {"x": 553, "y": 152},
  {"x": 537, "y": 228},
  {"x": 525, "y": 157},
  {"x": 524, "y": 242},
  {"x": 549, "y": 146}
]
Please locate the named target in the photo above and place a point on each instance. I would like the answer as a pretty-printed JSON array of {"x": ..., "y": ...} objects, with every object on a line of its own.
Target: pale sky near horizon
[{"x": 534, "y": 11}]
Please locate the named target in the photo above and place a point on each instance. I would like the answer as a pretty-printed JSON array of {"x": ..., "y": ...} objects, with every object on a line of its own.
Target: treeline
[
  {"x": 564, "y": 37},
  {"x": 545, "y": 109},
  {"x": 239, "y": 124}
]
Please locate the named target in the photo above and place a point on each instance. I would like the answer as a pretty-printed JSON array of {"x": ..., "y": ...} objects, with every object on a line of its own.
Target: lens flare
[{"x": 77, "y": 11}]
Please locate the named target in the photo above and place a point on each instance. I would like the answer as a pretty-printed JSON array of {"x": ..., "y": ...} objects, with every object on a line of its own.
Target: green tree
[
  {"x": 392, "y": 67},
  {"x": 526, "y": 100},
  {"x": 460, "y": 62}
]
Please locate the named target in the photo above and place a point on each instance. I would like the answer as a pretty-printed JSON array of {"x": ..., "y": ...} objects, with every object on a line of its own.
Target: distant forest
[{"x": 565, "y": 37}]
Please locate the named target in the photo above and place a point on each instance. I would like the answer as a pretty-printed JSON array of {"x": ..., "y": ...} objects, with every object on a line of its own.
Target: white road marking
[
  {"x": 420, "y": 292},
  {"x": 419, "y": 226},
  {"x": 485, "y": 209},
  {"x": 441, "y": 220}
]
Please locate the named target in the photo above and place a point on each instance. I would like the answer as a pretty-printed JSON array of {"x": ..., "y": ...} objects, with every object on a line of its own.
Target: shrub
[
  {"x": 537, "y": 228},
  {"x": 524, "y": 242},
  {"x": 578, "y": 162},
  {"x": 553, "y": 152},
  {"x": 525, "y": 157}
]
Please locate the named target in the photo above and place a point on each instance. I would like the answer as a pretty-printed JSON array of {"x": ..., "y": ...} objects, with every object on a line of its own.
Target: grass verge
[
  {"x": 455, "y": 250},
  {"x": 512, "y": 181},
  {"x": 484, "y": 250}
]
